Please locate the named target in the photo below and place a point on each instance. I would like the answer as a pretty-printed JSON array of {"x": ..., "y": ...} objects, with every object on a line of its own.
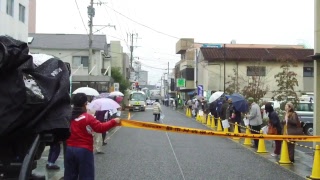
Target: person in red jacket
[{"x": 79, "y": 161}]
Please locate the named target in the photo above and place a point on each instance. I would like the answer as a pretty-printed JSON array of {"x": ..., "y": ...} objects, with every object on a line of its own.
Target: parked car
[
  {"x": 149, "y": 102},
  {"x": 304, "y": 109}
]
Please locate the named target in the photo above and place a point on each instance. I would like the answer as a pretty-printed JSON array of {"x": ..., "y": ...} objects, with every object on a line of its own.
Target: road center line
[{"x": 175, "y": 156}]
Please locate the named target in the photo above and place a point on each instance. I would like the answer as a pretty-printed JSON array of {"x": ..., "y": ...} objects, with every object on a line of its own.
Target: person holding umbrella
[
  {"x": 255, "y": 119},
  {"x": 79, "y": 160}
]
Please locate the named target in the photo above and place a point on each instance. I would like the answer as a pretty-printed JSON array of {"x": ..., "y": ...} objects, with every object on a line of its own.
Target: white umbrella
[
  {"x": 116, "y": 93},
  {"x": 103, "y": 104},
  {"x": 86, "y": 90},
  {"x": 215, "y": 96}
]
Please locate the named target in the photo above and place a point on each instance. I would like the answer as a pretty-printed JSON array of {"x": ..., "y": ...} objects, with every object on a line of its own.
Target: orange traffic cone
[
  {"x": 219, "y": 125},
  {"x": 247, "y": 141},
  {"x": 284, "y": 157},
  {"x": 209, "y": 120},
  {"x": 261, "y": 145},
  {"x": 213, "y": 123},
  {"x": 315, "y": 174},
  {"x": 236, "y": 131}
]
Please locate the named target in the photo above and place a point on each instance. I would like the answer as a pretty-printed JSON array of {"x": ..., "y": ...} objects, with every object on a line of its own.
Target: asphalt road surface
[{"x": 137, "y": 154}]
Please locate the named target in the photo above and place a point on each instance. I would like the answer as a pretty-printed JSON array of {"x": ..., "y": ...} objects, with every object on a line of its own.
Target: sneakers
[
  {"x": 52, "y": 167},
  {"x": 274, "y": 155}
]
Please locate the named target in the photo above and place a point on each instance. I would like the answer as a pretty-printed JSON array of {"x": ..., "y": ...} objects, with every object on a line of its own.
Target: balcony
[
  {"x": 183, "y": 44},
  {"x": 186, "y": 64}
]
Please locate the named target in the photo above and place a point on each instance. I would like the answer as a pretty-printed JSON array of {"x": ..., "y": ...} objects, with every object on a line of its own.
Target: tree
[
  {"x": 232, "y": 85},
  {"x": 255, "y": 88},
  {"x": 255, "y": 85},
  {"x": 118, "y": 77},
  {"x": 286, "y": 82}
]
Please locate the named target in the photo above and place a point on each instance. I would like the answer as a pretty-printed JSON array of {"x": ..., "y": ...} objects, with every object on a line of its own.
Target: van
[{"x": 304, "y": 109}]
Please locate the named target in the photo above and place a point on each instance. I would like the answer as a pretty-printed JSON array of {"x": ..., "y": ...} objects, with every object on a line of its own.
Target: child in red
[{"x": 79, "y": 161}]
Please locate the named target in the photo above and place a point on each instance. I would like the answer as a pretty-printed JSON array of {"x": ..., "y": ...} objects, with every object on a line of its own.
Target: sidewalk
[{"x": 303, "y": 161}]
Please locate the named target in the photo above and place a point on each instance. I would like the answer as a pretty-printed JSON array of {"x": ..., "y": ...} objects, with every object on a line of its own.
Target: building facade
[
  {"x": 32, "y": 16},
  {"x": 73, "y": 49},
  {"x": 203, "y": 64},
  {"x": 14, "y": 18}
]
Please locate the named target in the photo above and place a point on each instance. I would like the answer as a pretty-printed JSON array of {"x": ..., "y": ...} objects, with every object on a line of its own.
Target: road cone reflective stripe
[
  {"x": 209, "y": 120},
  {"x": 219, "y": 125},
  {"x": 236, "y": 130},
  {"x": 213, "y": 123},
  {"x": 284, "y": 157},
  {"x": 315, "y": 174},
  {"x": 261, "y": 145},
  {"x": 247, "y": 141}
]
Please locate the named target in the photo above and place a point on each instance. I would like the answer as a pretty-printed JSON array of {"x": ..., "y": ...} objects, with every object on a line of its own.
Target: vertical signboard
[{"x": 200, "y": 90}]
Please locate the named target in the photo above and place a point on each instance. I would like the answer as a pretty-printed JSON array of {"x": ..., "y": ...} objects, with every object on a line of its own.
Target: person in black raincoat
[{"x": 274, "y": 121}]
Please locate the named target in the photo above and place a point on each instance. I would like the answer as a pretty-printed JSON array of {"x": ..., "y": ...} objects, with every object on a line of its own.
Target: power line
[
  {"x": 84, "y": 25},
  {"x": 143, "y": 24}
]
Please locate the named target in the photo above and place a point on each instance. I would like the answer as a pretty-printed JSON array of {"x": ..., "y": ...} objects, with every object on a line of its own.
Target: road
[{"x": 144, "y": 154}]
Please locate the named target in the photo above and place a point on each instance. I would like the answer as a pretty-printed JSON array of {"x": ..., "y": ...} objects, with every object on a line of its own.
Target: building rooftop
[
  {"x": 211, "y": 54},
  {"x": 66, "y": 41}
]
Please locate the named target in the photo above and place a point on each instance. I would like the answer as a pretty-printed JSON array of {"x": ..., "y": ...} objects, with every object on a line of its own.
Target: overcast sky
[{"x": 159, "y": 24}]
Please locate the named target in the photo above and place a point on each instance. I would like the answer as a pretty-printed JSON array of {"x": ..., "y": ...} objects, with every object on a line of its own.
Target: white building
[
  {"x": 14, "y": 18},
  {"x": 143, "y": 77},
  {"x": 73, "y": 49}
]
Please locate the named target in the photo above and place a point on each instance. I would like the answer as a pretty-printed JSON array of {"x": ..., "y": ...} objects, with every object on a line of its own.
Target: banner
[{"x": 186, "y": 130}]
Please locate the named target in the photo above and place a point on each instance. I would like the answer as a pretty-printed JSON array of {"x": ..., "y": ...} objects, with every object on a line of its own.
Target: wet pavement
[
  {"x": 143, "y": 154},
  {"x": 303, "y": 156}
]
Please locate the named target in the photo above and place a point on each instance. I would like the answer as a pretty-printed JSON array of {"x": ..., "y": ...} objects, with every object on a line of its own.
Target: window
[
  {"x": 22, "y": 13},
  {"x": 137, "y": 97},
  {"x": 304, "y": 107},
  {"x": 183, "y": 56},
  {"x": 10, "y": 7},
  {"x": 256, "y": 71},
  {"x": 307, "y": 71},
  {"x": 78, "y": 60}
]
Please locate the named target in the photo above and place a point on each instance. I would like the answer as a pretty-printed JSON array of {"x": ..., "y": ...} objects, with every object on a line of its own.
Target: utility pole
[
  {"x": 91, "y": 13},
  {"x": 224, "y": 68},
  {"x": 131, "y": 50},
  {"x": 168, "y": 80}
]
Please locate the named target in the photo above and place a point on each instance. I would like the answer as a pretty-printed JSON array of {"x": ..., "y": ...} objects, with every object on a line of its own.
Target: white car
[
  {"x": 149, "y": 102},
  {"x": 274, "y": 104}
]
